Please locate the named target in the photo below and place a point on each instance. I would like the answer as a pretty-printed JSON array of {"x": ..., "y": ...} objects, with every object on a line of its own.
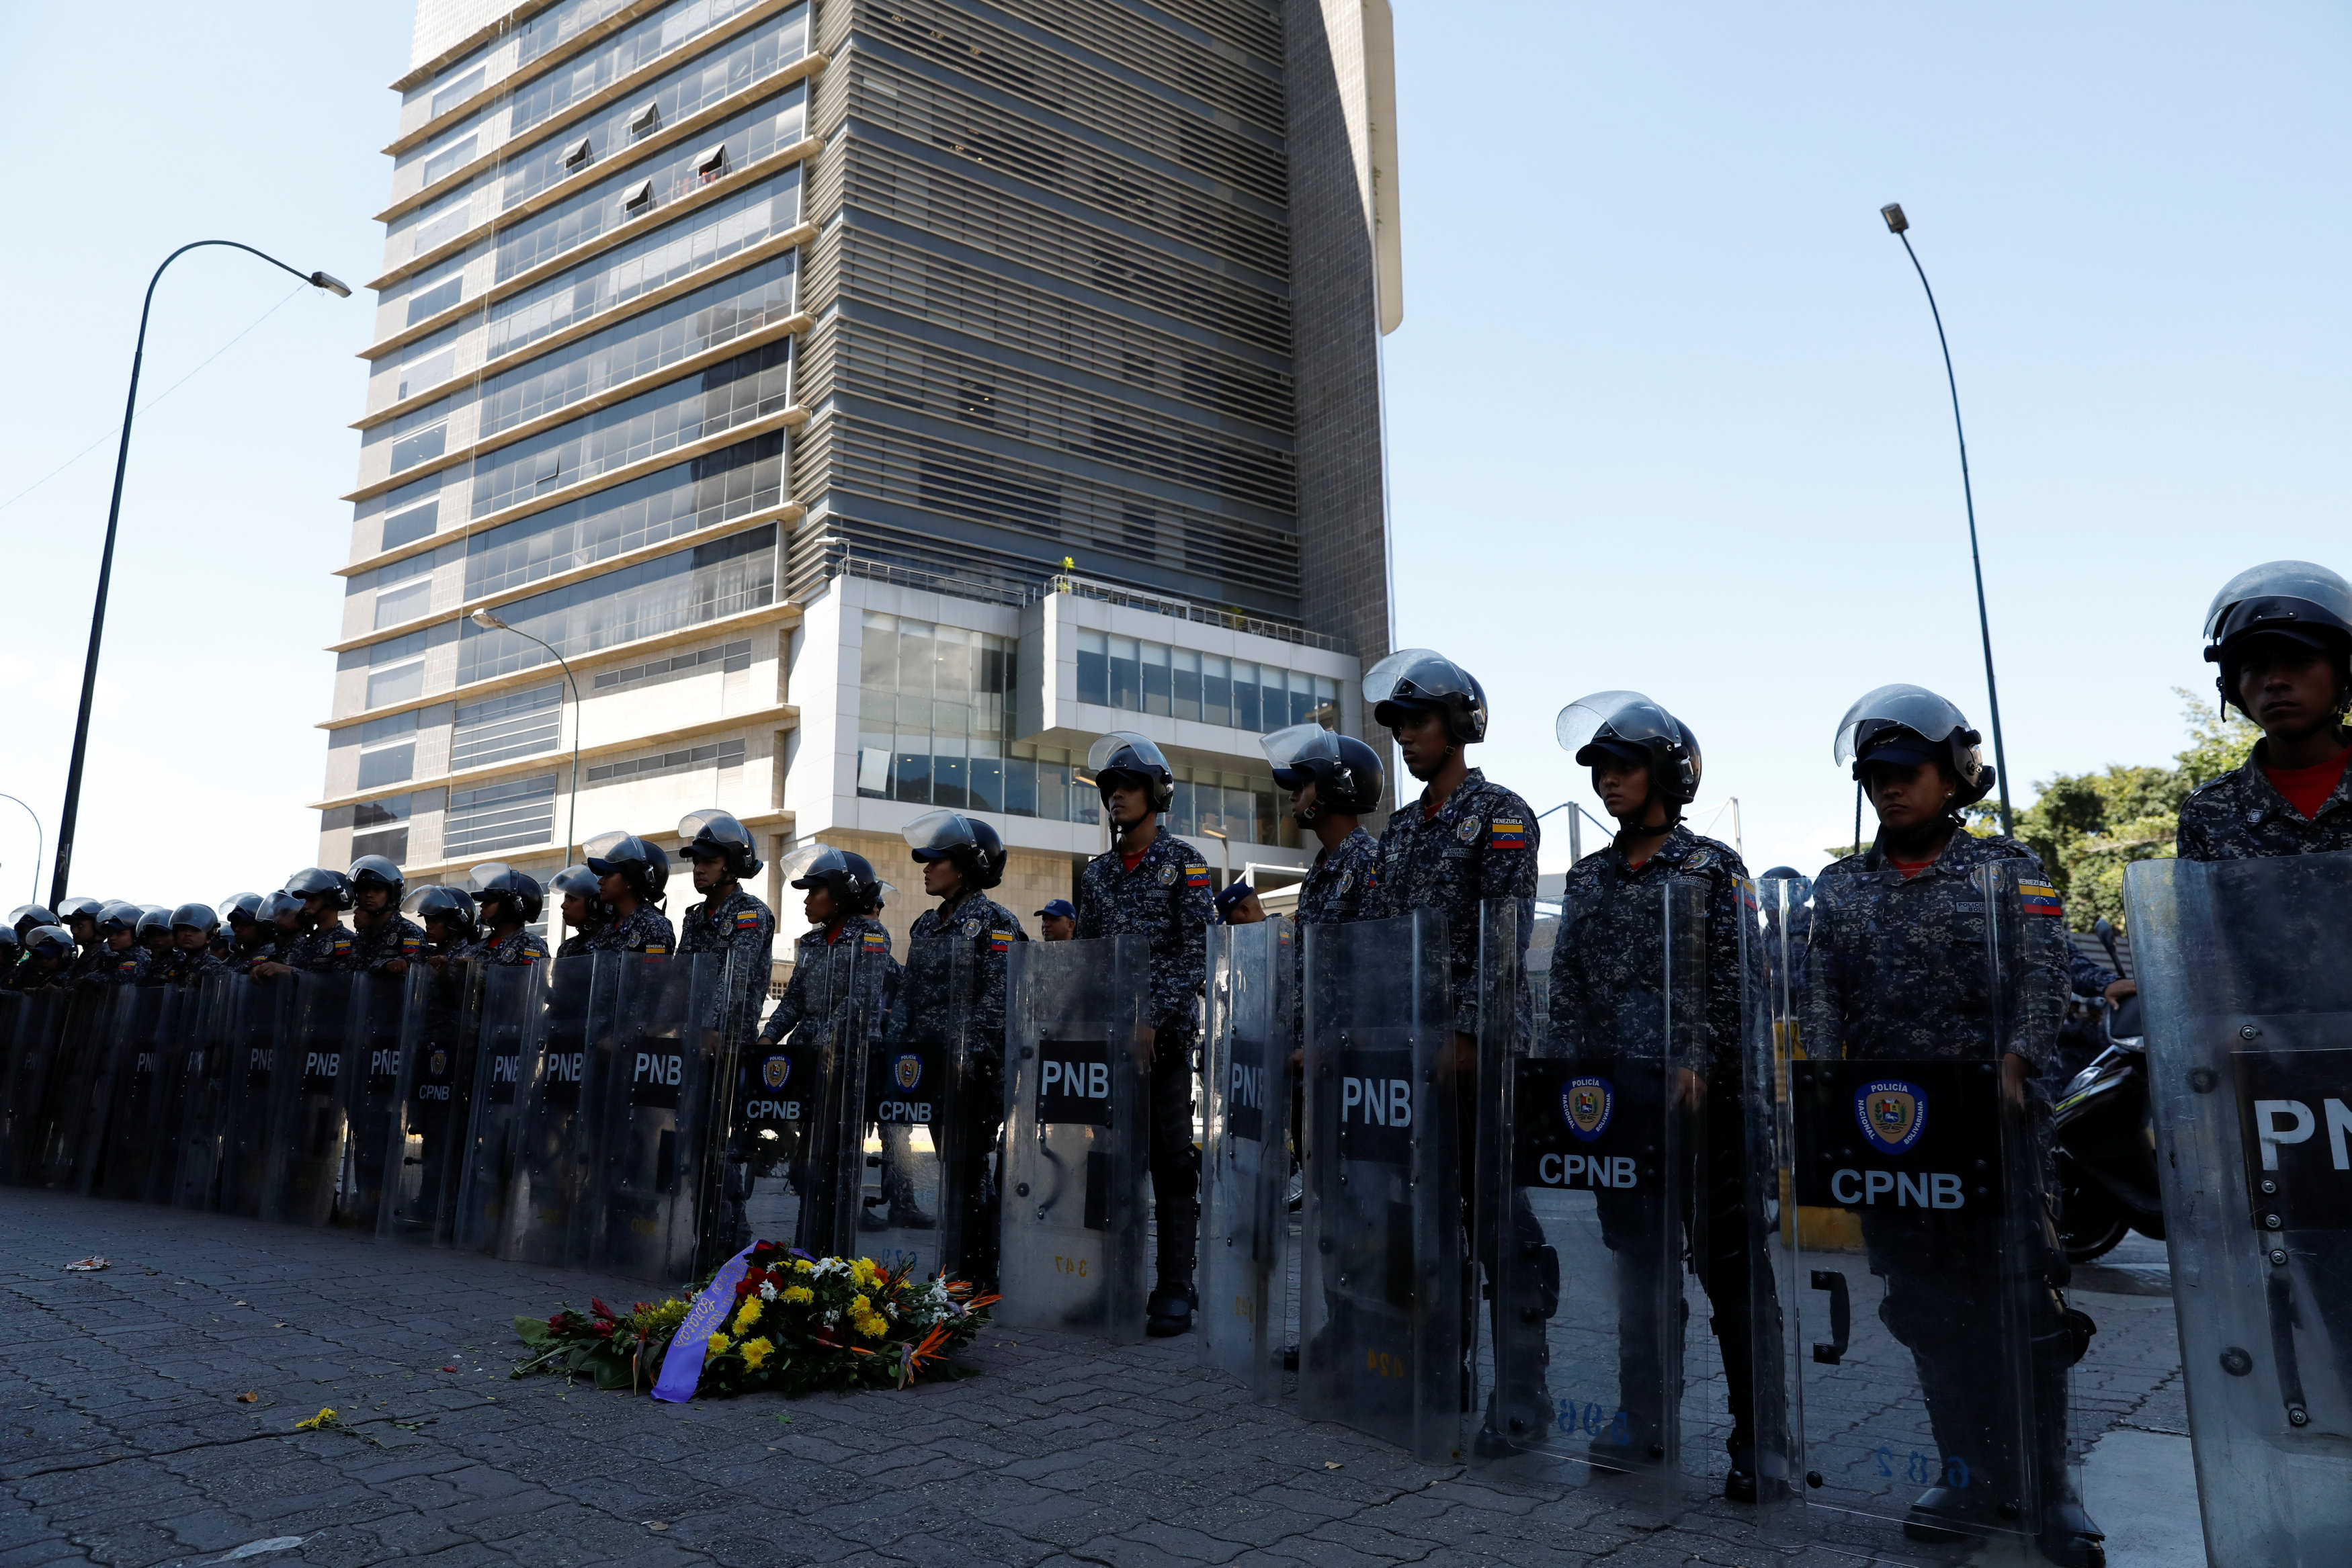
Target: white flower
[{"x": 767, "y": 1290}]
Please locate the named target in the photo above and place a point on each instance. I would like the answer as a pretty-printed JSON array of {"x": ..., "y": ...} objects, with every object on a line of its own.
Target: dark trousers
[{"x": 1175, "y": 1162}]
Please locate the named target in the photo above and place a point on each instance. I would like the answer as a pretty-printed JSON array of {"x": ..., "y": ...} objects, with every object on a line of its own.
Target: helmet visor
[
  {"x": 805, "y": 865},
  {"x": 1412, "y": 673},
  {"x": 199, "y": 915},
  {"x": 934, "y": 833},
  {"x": 1900, "y": 706},
  {"x": 607, "y": 852},
  {"x": 718, "y": 827},
  {"x": 1125, "y": 750},
  {"x": 576, "y": 879},
  {"x": 1627, "y": 717},
  {"x": 2323, "y": 595},
  {"x": 1286, "y": 749}
]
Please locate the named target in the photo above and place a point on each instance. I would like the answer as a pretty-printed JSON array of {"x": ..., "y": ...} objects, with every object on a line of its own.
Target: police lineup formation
[{"x": 1871, "y": 970}]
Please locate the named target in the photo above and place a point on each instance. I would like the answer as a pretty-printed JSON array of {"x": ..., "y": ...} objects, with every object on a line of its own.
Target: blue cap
[
  {"x": 1233, "y": 895},
  {"x": 1061, "y": 907}
]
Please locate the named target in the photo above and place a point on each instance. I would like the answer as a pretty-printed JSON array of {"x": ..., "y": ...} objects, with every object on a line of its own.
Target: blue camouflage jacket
[
  {"x": 742, "y": 927},
  {"x": 646, "y": 930},
  {"x": 832, "y": 969},
  {"x": 989, "y": 930},
  {"x": 1167, "y": 897},
  {"x": 1479, "y": 845},
  {"x": 2243, "y": 816}
]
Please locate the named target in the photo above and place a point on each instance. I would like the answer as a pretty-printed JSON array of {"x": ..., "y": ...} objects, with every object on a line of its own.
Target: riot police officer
[
  {"x": 276, "y": 925},
  {"x": 237, "y": 911},
  {"x": 510, "y": 901},
  {"x": 584, "y": 914},
  {"x": 1609, "y": 977},
  {"x": 729, "y": 918},
  {"x": 384, "y": 939},
  {"x": 1237, "y": 904},
  {"x": 1335, "y": 781},
  {"x": 1890, "y": 977},
  {"x": 447, "y": 915},
  {"x": 1155, "y": 884},
  {"x": 124, "y": 962},
  {"x": 25, "y": 917},
  {"x": 48, "y": 959},
  {"x": 315, "y": 939},
  {"x": 962, "y": 857},
  {"x": 155, "y": 934},
  {"x": 190, "y": 958},
  {"x": 78, "y": 915},
  {"x": 630, "y": 876},
  {"x": 2282, "y": 635}
]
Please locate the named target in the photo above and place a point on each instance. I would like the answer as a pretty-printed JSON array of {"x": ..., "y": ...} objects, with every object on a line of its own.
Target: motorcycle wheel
[{"x": 2090, "y": 1223}]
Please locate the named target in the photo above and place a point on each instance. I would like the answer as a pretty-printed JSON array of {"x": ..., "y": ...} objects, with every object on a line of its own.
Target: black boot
[
  {"x": 1169, "y": 1310},
  {"x": 2069, "y": 1538}
]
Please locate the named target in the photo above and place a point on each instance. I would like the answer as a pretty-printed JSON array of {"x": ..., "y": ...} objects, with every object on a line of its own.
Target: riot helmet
[
  {"x": 1125, "y": 755},
  {"x": 239, "y": 906},
  {"x": 714, "y": 834},
  {"x": 119, "y": 914},
  {"x": 575, "y": 879},
  {"x": 1346, "y": 773},
  {"x": 274, "y": 906},
  {"x": 25, "y": 917},
  {"x": 78, "y": 906},
  {"x": 1781, "y": 873},
  {"x": 849, "y": 878},
  {"x": 375, "y": 870},
  {"x": 453, "y": 906},
  {"x": 1631, "y": 728},
  {"x": 497, "y": 886},
  {"x": 2296, "y": 599},
  {"x": 969, "y": 844},
  {"x": 155, "y": 920},
  {"x": 199, "y": 915},
  {"x": 1907, "y": 725},
  {"x": 643, "y": 867},
  {"x": 1422, "y": 680},
  {"x": 52, "y": 941},
  {"x": 318, "y": 882}
]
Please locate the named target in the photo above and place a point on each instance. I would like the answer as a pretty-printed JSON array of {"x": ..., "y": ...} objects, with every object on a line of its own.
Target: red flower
[
  {"x": 555, "y": 1322},
  {"x": 602, "y": 1310}
]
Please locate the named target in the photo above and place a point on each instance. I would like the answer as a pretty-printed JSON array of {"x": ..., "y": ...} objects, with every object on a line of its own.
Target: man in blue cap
[
  {"x": 1238, "y": 906},
  {"x": 1058, "y": 921}
]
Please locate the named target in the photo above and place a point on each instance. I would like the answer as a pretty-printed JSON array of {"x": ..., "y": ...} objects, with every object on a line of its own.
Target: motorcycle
[{"x": 2105, "y": 1135}]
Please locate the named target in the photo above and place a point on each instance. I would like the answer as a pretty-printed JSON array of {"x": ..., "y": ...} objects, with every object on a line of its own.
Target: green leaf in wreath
[{"x": 533, "y": 1331}]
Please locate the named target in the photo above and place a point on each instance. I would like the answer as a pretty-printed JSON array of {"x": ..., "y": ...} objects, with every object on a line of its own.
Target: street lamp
[
  {"x": 1224, "y": 856},
  {"x": 489, "y": 623},
  {"x": 39, "y": 844},
  {"x": 72, "y": 812},
  {"x": 1895, "y": 225}
]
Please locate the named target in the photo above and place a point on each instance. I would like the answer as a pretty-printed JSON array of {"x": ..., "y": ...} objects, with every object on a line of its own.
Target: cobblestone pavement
[{"x": 122, "y": 1439}]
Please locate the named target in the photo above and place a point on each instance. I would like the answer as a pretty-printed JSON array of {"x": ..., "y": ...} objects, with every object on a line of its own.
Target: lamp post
[
  {"x": 72, "y": 812},
  {"x": 39, "y": 843},
  {"x": 1225, "y": 858},
  {"x": 489, "y": 623},
  {"x": 1896, "y": 223}
]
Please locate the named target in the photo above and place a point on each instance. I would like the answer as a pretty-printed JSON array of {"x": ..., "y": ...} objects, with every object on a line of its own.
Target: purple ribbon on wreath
[{"x": 682, "y": 1367}]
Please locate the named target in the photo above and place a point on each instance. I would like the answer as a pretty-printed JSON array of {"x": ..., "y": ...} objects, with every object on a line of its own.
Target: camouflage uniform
[
  {"x": 128, "y": 967},
  {"x": 513, "y": 949},
  {"x": 1608, "y": 963},
  {"x": 338, "y": 949},
  {"x": 181, "y": 967},
  {"x": 1340, "y": 881},
  {"x": 929, "y": 1012},
  {"x": 1166, "y": 897},
  {"x": 646, "y": 930},
  {"x": 1480, "y": 844},
  {"x": 572, "y": 946},
  {"x": 2241, "y": 816},
  {"x": 241, "y": 960},
  {"x": 743, "y": 926},
  {"x": 811, "y": 957},
  {"x": 1896, "y": 968},
  {"x": 88, "y": 960}
]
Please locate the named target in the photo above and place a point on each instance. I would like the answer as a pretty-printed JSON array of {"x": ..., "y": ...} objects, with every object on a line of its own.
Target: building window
[
  {"x": 712, "y": 164},
  {"x": 730, "y": 658},
  {"x": 639, "y": 198},
  {"x": 645, "y": 122},
  {"x": 440, "y": 224},
  {"x": 408, "y": 600},
  {"x": 448, "y": 159},
  {"x": 933, "y": 713},
  {"x": 511, "y": 724},
  {"x": 499, "y": 817},
  {"x": 579, "y": 153},
  {"x": 378, "y": 827},
  {"x": 449, "y": 97},
  {"x": 417, "y": 522},
  {"x": 397, "y": 684},
  {"x": 426, "y": 370},
  {"x": 388, "y": 750},
  {"x": 1155, "y": 678},
  {"x": 429, "y": 300},
  {"x": 685, "y": 759}
]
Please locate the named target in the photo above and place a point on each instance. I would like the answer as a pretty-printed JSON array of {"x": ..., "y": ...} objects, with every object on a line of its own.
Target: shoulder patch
[
  {"x": 1196, "y": 877},
  {"x": 2039, "y": 898},
  {"x": 746, "y": 919},
  {"x": 1168, "y": 876},
  {"x": 1507, "y": 835},
  {"x": 1469, "y": 829},
  {"x": 998, "y": 941},
  {"x": 653, "y": 950},
  {"x": 873, "y": 940}
]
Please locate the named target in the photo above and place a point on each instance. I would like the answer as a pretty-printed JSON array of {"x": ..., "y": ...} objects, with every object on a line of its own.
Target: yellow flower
[
  {"x": 325, "y": 1417},
  {"x": 755, "y": 1351},
  {"x": 864, "y": 1272},
  {"x": 749, "y": 1316},
  {"x": 797, "y": 1293},
  {"x": 868, "y": 1324},
  {"x": 720, "y": 1343},
  {"x": 860, "y": 1307},
  {"x": 802, "y": 1266}
]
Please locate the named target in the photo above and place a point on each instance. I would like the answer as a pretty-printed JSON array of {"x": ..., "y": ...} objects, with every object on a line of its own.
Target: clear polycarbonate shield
[
  {"x": 1245, "y": 1151},
  {"x": 509, "y": 1004},
  {"x": 304, "y": 1163},
  {"x": 258, "y": 1025},
  {"x": 15, "y": 1007},
  {"x": 72, "y": 1118},
  {"x": 798, "y": 1133},
  {"x": 373, "y": 1031},
  {"x": 137, "y": 1160},
  {"x": 646, "y": 1092},
  {"x": 2249, "y": 1029},
  {"x": 928, "y": 1148},
  {"x": 202, "y": 1087},
  {"x": 1077, "y": 1136},
  {"x": 1898, "y": 707},
  {"x": 1381, "y": 1280},
  {"x": 1626, "y": 715},
  {"x": 543, "y": 1212},
  {"x": 1592, "y": 1229},
  {"x": 424, "y": 1149},
  {"x": 36, "y": 1039},
  {"x": 1928, "y": 1340}
]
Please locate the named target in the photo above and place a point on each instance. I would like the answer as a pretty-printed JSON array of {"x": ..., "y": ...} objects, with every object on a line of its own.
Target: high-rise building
[{"x": 871, "y": 403}]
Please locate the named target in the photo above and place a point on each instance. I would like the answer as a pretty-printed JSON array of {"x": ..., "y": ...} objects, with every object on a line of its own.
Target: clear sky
[{"x": 1666, "y": 411}]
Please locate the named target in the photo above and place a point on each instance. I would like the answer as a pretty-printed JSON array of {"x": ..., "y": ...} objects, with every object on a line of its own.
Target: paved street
[{"x": 122, "y": 1439}]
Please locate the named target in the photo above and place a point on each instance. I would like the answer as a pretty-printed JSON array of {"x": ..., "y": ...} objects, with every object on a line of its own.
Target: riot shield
[
  {"x": 1607, "y": 1246},
  {"x": 200, "y": 1091},
  {"x": 426, "y": 1139},
  {"x": 923, "y": 1100},
  {"x": 1077, "y": 1136},
  {"x": 506, "y": 1033},
  {"x": 304, "y": 1165},
  {"x": 1382, "y": 1282},
  {"x": 1245, "y": 1151},
  {"x": 258, "y": 1034},
  {"x": 369, "y": 1088},
  {"x": 543, "y": 1216},
  {"x": 2249, "y": 1018},
  {"x": 16, "y": 1011},
  {"x": 138, "y": 1154},
  {"x": 1927, "y": 1340},
  {"x": 645, "y": 1091},
  {"x": 72, "y": 1118}
]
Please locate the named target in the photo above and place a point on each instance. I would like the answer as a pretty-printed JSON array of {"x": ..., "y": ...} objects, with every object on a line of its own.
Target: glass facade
[
  {"x": 669, "y": 592},
  {"x": 933, "y": 709},
  {"x": 1144, "y": 676}
]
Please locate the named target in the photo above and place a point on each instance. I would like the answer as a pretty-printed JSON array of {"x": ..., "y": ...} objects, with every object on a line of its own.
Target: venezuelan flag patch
[
  {"x": 1503, "y": 835},
  {"x": 654, "y": 951},
  {"x": 746, "y": 919},
  {"x": 1747, "y": 893},
  {"x": 873, "y": 941},
  {"x": 998, "y": 941},
  {"x": 2039, "y": 898},
  {"x": 1196, "y": 877}
]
